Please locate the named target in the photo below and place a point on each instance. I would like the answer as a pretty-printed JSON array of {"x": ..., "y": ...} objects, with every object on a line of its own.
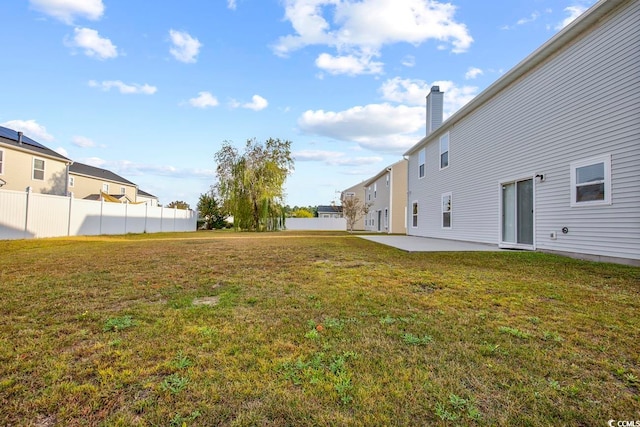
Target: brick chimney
[{"x": 434, "y": 109}]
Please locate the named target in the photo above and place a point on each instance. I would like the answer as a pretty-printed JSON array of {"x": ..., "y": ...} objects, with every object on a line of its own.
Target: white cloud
[
  {"x": 359, "y": 29},
  {"x": 30, "y": 128},
  {"x": 409, "y": 61},
  {"x": 257, "y": 103},
  {"x": 62, "y": 151},
  {"x": 414, "y": 92},
  {"x": 531, "y": 18},
  {"x": 82, "y": 142},
  {"x": 334, "y": 158},
  {"x": 472, "y": 73},
  {"x": 573, "y": 12},
  {"x": 67, "y": 10},
  {"x": 124, "y": 88},
  {"x": 128, "y": 168},
  {"x": 185, "y": 48},
  {"x": 231, "y": 4},
  {"x": 349, "y": 64},
  {"x": 204, "y": 100},
  {"x": 379, "y": 127},
  {"x": 93, "y": 45}
]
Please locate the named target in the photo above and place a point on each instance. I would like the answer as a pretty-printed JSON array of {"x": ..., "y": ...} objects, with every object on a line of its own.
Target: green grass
[{"x": 310, "y": 329}]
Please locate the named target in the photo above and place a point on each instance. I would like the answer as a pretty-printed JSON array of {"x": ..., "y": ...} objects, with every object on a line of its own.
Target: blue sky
[{"x": 150, "y": 90}]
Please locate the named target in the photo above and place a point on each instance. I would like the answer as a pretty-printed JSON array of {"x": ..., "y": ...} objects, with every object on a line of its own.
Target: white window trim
[
  {"x": 442, "y": 152},
  {"x": 422, "y": 152},
  {"x": 33, "y": 169},
  {"x": 2, "y": 160},
  {"x": 105, "y": 188},
  {"x": 606, "y": 159},
  {"x": 417, "y": 215},
  {"x": 443, "y": 211}
]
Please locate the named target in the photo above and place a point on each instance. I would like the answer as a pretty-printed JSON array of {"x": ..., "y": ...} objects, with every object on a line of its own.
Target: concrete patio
[{"x": 427, "y": 244}]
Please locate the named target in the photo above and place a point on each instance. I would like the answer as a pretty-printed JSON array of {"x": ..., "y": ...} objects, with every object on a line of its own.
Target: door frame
[{"x": 512, "y": 245}]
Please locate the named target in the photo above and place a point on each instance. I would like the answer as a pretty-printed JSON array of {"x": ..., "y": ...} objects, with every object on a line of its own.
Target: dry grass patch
[{"x": 310, "y": 329}]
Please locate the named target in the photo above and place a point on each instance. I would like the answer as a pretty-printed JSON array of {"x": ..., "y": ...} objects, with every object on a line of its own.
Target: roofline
[
  {"x": 381, "y": 173},
  {"x": 549, "y": 48},
  {"x": 99, "y": 178},
  {"x": 58, "y": 157}
]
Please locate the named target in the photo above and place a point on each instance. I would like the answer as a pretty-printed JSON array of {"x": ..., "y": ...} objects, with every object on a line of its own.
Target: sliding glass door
[{"x": 517, "y": 212}]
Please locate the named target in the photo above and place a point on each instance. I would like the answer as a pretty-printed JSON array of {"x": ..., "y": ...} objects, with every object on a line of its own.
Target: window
[
  {"x": 414, "y": 214},
  {"x": 105, "y": 188},
  {"x": 444, "y": 150},
  {"x": 369, "y": 193},
  {"x": 375, "y": 190},
  {"x": 421, "y": 160},
  {"x": 1, "y": 162},
  {"x": 591, "y": 181},
  {"x": 72, "y": 181},
  {"x": 388, "y": 180},
  {"x": 123, "y": 190},
  {"x": 386, "y": 218},
  {"x": 38, "y": 169},
  {"x": 446, "y": 210}
]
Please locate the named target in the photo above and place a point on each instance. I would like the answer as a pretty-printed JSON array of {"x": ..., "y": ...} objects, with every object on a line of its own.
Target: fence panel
[
  {"x": 48, "y": 215},
  {"x": 28, "y": 215},
  {"x": 136, "y": 215},
  {"x": 13, "y": 214},
  {"x": 323, "y": 224}
]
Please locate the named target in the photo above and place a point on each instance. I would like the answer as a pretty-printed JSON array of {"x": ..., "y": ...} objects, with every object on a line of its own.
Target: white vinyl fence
[
  {"x": 25, "y": 215},
  {"x": 323, "y": 224}
]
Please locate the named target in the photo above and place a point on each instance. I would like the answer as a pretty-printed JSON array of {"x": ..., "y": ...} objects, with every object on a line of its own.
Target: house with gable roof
[
  {"x": 547, "y": 157},
  {"x": 92, "y": 183},
  {"x": 25, "y": 163}
]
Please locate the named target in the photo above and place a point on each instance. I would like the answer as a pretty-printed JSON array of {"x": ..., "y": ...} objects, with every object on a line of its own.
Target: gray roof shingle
[
  {"x": 10, "y": 137},
  {"x": 94, "y": 172}
]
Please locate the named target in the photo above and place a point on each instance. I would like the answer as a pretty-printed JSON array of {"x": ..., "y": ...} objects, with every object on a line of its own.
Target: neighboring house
[
  {"x": 144, "y": 197},
  {"x": 89, "y": 182},
  {"x": 547, "y": 157},
  {"x": 27, "y": 163},
  {"x": 357, "y": 191},
  {"x": 331, "y": 211},
  {"x": 386, "y": 195}
]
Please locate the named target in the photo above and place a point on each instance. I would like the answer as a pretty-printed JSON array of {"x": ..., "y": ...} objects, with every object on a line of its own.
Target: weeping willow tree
[{"x": 251, "y": 184}]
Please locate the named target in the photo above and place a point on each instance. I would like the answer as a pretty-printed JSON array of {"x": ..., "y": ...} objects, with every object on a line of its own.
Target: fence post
[
  {"x": 70, "y": 211},
  {"x": 126, "y": 216},
  {"x": 101, "y": 214},
  {"x": 26, "y": 215},
  {"x": 146, "y": 215}
]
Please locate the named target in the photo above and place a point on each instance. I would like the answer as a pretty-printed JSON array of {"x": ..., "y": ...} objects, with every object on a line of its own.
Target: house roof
[
  {"x": 553, "y": 45},
  {"x": 329, "y": 209},
  {"x": 99, "y": 173},
  {"x": 10, "y": 137},
  {"x": 381, "y": 173},
  {"x": 145, "y": 194}
]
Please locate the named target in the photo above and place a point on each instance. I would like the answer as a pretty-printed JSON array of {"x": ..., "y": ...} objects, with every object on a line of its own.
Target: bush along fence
[{"x": 25, "y": 215}]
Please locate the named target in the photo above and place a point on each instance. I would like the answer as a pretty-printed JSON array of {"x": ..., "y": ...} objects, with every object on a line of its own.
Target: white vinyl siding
[
  {"x": 38, "y": 169},
  {"x": 503, "y": 138}
]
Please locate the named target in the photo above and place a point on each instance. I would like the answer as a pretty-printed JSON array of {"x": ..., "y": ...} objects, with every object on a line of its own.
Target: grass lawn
[{"x": 216, "y": 328}]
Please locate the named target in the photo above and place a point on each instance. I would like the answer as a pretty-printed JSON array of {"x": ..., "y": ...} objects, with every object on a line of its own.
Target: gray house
[{"x": 546, "y": 158}]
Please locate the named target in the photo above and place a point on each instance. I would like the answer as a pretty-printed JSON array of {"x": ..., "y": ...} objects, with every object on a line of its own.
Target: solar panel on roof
[{"x": 13, "y": 135}]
